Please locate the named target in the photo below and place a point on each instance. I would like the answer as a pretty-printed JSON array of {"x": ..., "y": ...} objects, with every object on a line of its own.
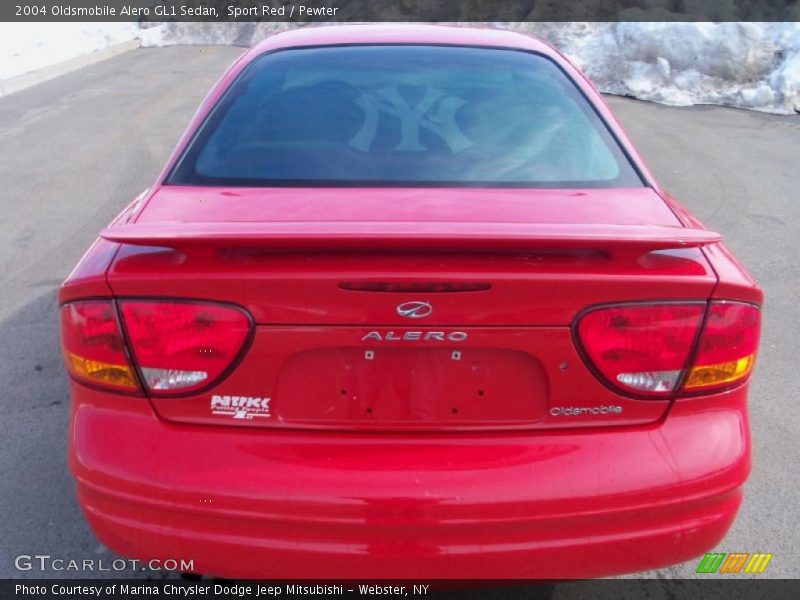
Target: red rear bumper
[{"x": 269, "y": 504}]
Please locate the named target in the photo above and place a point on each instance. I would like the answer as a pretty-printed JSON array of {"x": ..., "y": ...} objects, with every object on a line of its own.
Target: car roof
[{"x": 393, "y": 33}]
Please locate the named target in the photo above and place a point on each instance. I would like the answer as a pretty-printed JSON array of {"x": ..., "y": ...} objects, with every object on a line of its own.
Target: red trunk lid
[{"x": 327, "y": 357}]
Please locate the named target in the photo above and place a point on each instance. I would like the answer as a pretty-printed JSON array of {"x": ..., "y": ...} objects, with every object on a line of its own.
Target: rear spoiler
[{"x": 399, "y": 235}]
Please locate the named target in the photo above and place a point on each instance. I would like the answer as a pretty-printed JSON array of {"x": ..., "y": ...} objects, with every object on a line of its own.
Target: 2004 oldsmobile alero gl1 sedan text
[{"x": 406, "y": 303}]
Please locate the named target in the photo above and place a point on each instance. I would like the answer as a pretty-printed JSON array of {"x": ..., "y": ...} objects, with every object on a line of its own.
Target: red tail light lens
[
  {"x": 727, "y": 350},
  {"x": 93, "y": 347},
  {"x": 182, "y": 347},
  {"x": 641, "y": 349},
  {"x": 644, "y": 349}
]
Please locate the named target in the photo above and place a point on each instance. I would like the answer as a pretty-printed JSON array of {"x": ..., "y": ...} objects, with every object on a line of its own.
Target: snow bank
[
  {"x": 26, "y": 47},
  {"x": 747, "y": 65}
]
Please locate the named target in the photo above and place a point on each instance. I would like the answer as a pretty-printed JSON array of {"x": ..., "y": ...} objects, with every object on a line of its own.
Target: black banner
[
  {"x": 714, "y": 587},
  {"x": 398, "y": 10}
]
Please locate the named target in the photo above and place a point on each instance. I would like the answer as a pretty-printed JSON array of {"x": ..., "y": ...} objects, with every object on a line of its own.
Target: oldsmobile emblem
[{"x": 415, "y": 309}]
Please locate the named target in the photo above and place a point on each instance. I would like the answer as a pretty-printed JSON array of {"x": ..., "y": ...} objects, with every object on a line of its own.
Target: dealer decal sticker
[{"x": 240, "y": 407}]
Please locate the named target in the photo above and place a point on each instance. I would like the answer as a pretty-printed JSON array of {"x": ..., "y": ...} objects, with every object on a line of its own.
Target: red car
[{"x": 406, "y": 303}]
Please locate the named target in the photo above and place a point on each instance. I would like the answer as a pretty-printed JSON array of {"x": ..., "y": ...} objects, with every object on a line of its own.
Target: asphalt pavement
[{"x": 75, "y": 150}]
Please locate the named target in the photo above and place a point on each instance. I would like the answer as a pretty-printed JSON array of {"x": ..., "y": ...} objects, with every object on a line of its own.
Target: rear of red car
[{"x": 394, "y": 341}]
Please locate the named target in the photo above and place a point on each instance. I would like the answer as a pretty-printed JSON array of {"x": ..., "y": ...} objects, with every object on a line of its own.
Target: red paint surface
[{"x": 345, "y": 505}]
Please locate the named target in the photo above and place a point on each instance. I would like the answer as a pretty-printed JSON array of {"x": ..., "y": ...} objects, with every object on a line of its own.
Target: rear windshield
[{"x": 404, "y": 116}]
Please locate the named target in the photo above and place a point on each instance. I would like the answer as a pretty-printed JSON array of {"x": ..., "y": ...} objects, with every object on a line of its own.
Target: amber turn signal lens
[
  {"x": 720, "y": 374},
  {"x": 102, "y": 372}
]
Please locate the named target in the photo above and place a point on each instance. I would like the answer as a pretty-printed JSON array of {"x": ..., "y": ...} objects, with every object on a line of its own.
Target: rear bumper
[{"x": 268, "y": 504}]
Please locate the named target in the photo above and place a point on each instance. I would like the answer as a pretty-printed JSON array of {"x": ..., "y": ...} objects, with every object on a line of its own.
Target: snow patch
[
  {"x": 26, "y": 47},
  {"x": 747, "y": 65}
]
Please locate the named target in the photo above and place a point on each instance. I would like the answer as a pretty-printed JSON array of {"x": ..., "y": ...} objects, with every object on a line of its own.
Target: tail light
[
  {"x": 727, "y": 350},
  {"x": 178, "y": 347},
  {"x": 181, "y": 347},
  {"x": 93, "y": 346},
  {"x": 645, "y": 350},
  {"x": 641, "y": 349}
]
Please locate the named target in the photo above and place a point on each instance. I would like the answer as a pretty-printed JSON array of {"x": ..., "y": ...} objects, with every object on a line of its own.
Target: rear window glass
[{"x": 404, "y": 115}]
